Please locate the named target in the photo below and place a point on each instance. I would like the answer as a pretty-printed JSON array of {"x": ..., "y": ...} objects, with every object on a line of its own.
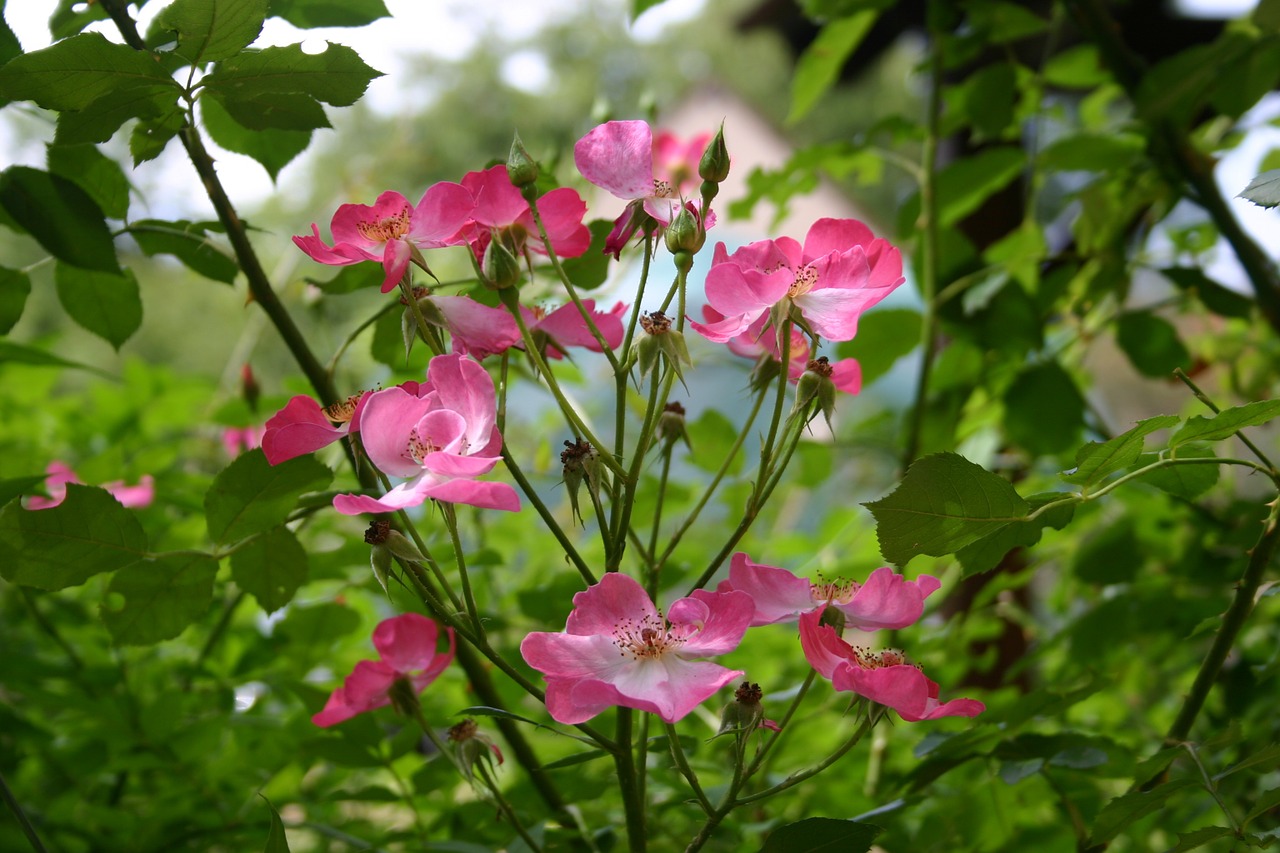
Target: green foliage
[
  {"x": 252, "y": 496},
  {"x": 822, "y": 833},
  {"x": 162, "y": 597},
  {"x": 61, "y": 216},
  {"x": 822, "y": 60},
  {"x": 212, "y": 30},
  {"x": 104, "y": 303}
]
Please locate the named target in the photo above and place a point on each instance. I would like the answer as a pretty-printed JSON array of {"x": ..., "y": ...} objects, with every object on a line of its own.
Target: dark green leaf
[
  {"x": 1242, "y": 82},
  {"x": 22, "y": 354},
  {"x": 1266, "y": 15},
  {"x": 1200, "y": 837},
  {"x": 98, "y": 175},
  {"x": 572, "y": 760},
  {"x": 1151, "y": 343},
  {"x": 985, "y": 554},
  {"x": 999, "y": 21},
  {"x": 1216, "y": 297},
  {"x": 338, "y": 76},
  {"x": 99, "y": 121},
  {"x": 820, "y": 64},
  {"x": 11, "y": 488},
  {"x": 1096, "y": 460},
  {"x": 189, "y": 242},
  {"x": 272, "y": 148},
  {"x": 15, "y": 286},
  {"x": 277, "y": 111},
  {"x": 1265, "y": 803},
  {"x": 351, "y": 278},
  {"x": 590, "y": 269},
  {"x": 150, "y": 136},
  {"x": 209, "y": 30},
  {"x": 270, "y": 568},
  {"x": 1113, "y": 555},
  {"x": 73, "y": 73},
  {"x": 986, "y": 99},
  {"x": 1124, "y": 810},
  {"x": 822, "y": 835},
  {"x": 1185, "y": 481},
  {"x": 72, "y": 16},
  {"x": 63, "y": 218},
  {"x": 1265, "y": 759},
  {"x": 328, "y": 13},
  {"x": 161, "y": 597},
  {"x": 107, "y": 305},
  {"x": 1177, "y": 87},
  {"x": 87, "y": 534},
  {"x": 944, "y": 503},
  {"x": 710, "y": 437},
  {"x": 1093, "y": 152},
  {"x": 277, "y": 842},
  {"x": 1015, "y": 770},
  {"x": 967, "y": 183},
  {"x": 10, "y": 47},
  {"x": 1226, "y": 423},
  {"x": 884, "y": 336},
  {"x": 252, "y": 496},
  {"x": 1043, "y": 410}
]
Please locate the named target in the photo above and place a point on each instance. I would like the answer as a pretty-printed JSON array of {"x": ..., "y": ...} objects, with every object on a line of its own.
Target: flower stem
[
  {"x": 628, "y": 784},
  {"x": 14, "y": 806},
  {"x": 682, "y": 764},
  {"x": 505, "y": 807},
  {"x": 547, "y": 518}
]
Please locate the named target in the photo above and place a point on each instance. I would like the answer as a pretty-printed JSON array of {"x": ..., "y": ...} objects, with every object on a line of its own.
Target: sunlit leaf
[
  {"x": 326, "y": 13},
  {"x": 252, "y": 496},
  {"x": 209, "y": 30},
  {"x": 73, "y": 73},
  {"x": 1096, "y": 460},
  {"x": 338, "y": 76},
  {"x": 161, "y": 597},
  {"x": 820, "y": 64},
  {"x": 270, "y": 567},
  {"x": 967, "y": 183},
  {"x": 944, "y": 503},
  {"x": 103, "y": 303},
  {"x": 1124, "y": 810},
  {"x": 1226, "y": 423},
  {"x": 63, "y": 218},
  {"x": 87, "y": 534}
]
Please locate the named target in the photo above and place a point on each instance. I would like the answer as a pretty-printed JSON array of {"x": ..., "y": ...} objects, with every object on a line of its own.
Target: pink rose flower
[
  {"x": 565, "y": 326},
  {"x": 886, "y": 600},
  {"x": 406, "y": 647},
  {"x": 501, "y": 209},
  {"x": 475, "y": 329},
  {"x": 60, "y": 474},
  {"x": 618, "y": 650},
  {"x": 392, "y": 231},
  {"x": 841, "y": 271},
  {"x": 885, "y": 677},
  {"x": 440, "y": 438},
  {"x": 758, "y": 340}
]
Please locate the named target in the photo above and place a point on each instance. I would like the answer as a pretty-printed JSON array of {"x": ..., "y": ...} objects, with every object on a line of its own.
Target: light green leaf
[
  {"x": 338, "y": 76},
  {"x": 820, "y": 64},
  {"x": 73, "y": 73},
  {"x": 209, "y": 30},
  {"x": 270, "y": 568},
  {"x": 189, "y": 242},
  {"x": 22, "y": 354},
  {"x": 1185, "y": 481},
  {"x": 326, "y": 13},
  {"x": 274, "y": 149},
  {"x": 107, "y": 305},
  {"x": 590, "y": 269},
  {"x": 1264, "y": 190},
  {"x": 822, "y": 835},
  {"x": 1226, "y": 423},
  {"x": 639, "y": 7},
  {"x": 95, "y": 173},
  {"x": 15, "y": 287},
  {"x": 63, "y": 218},
  {"x": 967, "y": 183},
  {"x": 1093, "y": 152},
  {"x": 1151, "y": 343},
  {"x": 884, "y": 336},
  {"x": 161, "y": 597},
  {"x": 985, "y": 554},
  {"x": 87, "y": 534},
  {"x": 152, "y": 135},
  {"x": 1096, "y": 460},
  {"x": 277, "y": 842},
  {"x": 944, "y": 503},
  {"x": 252, "y": 496},
  {"x": 1124, "y": 810}
]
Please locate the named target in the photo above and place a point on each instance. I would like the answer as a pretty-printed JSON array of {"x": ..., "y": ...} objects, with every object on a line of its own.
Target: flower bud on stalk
[
  {"x": 745, "y": 714},
  {"x": 815, "y": 385},
  {"x": 685, "y": 234},
  {"x": 660, "y": 338},
  {"x": 501, "y": 268},
  {"x": 713, "y": 168},
  {"x": 522, "y": 170},
  {"x": 579, "y": 462},
  {"x": 471, "y": 748},
  {"x": 249, "y": 387},
  {"x": 671, "y": 426}
]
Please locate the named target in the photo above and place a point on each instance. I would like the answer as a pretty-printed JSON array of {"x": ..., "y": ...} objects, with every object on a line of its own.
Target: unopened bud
[
  {"x": 745, "y": 714},
  {"x": 501, "y": 267},
  {"x": 815, "y": 385},
  {"x": 580, "y": 462},
  {"x": 522, "y": 170},
  {"x": 685, "y": 233},
  {"x": 471, "y": 748},
  {"x": 714, "y": 165},
  {"x": 671, "y": 425},
  {"x": 249, "y": 387}
]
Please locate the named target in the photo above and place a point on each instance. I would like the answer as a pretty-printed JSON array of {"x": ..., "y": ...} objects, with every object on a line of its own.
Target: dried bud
[
  {"x": 685, "y": 233},
  {"x": 379, "y": 530},
  {"x": 471, "y": 747},
  {"x": 522, "y": 170},
  {"x": 580, "y": 462},
  {"x": 745, "y": 714},
  {"x": 815, "y": 385},
  {"x": 671, "y": 425},
  {"x": 656, "y": 323},
  {"x": 714, "y": 165}
]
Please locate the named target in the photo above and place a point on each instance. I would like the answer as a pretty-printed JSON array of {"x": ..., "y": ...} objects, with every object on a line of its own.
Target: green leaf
[
  {"x": 1216, "y": 297},
  {"x": 884, "y": 336},
  {"x": 944, "y": 503},
  {"x": 820, "y": 64},
  {"x": 15, "y": 287},
  {"x": 252, "y": 496},
  {"x": 277, "y": 842},
  {"x": 1093, "y": 152},
  {"x": 822, "y": 835},
  {"x": 1266, "y": 802},
  {"x": 965, "y": 184},
  {"x": 590, "y": 269},
  {"x": 987, "y": 553},
  {"x": 1124, "y": 810},
  {"x": 1200, "y": 837},
  {"x": 72, "y": 16},
  {"x": 161, "y": 597},
  {"x": 270, "y": 568},
  {"x": 1076, "y": 68},
  {"x": 1185, "y": 481},
  {"x": 189, "y": 242},
  {"x": 1113, "y": 555},
  {"x": 10, "y": 47},
  {"x": 87, "y": 534},
  {"x": 73, "y": 73},
  {"x": 1151, "y": 343},
  {"x": 327, "y": 13},
  {"x": 99, "y": 121},
  {"x": 107, "y": 305},
  {"x": 1264, "y": 759},
  {"x": 986, "y": 99},
  {"x": 209, "y": 30},
  {"x": 1043, "y": 409},
  {"x": 98, "y": 175},
  {"x": 350, "y": 279},
  {"x": 276, "y": 111},
  {"x": 11, "y": 488},
  {"x": 1096, "y": 460},
  {"x": 1001, "y": 22},
  {"x": 338, "y": 76},
  {"x": 63, "y": 218},
  {"x": 22, "y": 354},
  {"x": 710, "y": 437},
  {"x": 150, "y": 136},
  {"x": 1175, "y": 88},
  {"x": 272, "y": 148},
  {"x": 1226, "y": 423},
  {"x": 576, "y": 759}
]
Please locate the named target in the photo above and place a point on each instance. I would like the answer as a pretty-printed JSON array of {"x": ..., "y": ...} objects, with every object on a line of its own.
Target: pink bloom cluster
[
  {"x": 759, "y": 341},
  {"x": 60, "y": 474},
  {"x": 407, "y": 651}
]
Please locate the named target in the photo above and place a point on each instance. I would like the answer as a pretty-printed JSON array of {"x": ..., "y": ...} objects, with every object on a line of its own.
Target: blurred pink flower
[
  {"x": 501, "y": 209},
  {"x": 60, "y": 474},
  {"x": 440, "y": 438},
  {"x": 236, "y": 440},
  {"x": 756, "y": 340},
  {"x": 884, "y": 677},
  {"x": 886, "y": 600},
  {"x": 392, "y": 231},
  {"x": 618, "y": 650},
  {"x": 841, "y": 271},
  {"x": 406, "y": 645}
]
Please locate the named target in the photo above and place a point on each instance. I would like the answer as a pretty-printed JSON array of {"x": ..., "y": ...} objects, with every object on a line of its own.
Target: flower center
[
  {"x": 645, "y": 638},
  {"x": 868, "y": 659},
  {"x": 836, "y": 592},
  {"x": 388, "y": 228},
  {"x": 806, "y": 278},
  {"x": 342, "y": 411},
  {"x": 663, "y": 189},
  {"x": 418, "y": 449}
]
